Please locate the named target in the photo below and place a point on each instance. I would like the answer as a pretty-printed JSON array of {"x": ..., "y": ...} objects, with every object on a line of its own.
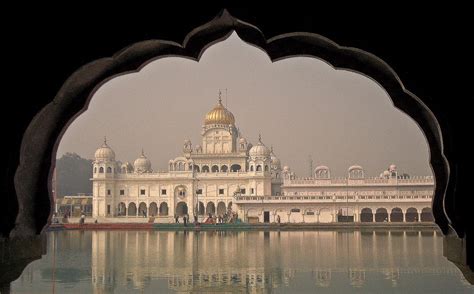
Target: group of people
[
  {"x": 185, "y": 219},
  {"x": 229, "y": 217}
]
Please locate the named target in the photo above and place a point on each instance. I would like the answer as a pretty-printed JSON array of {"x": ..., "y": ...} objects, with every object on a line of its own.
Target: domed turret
[
  {"x": 104, "y": 153},
  {"x": 219, "y": 115},
  {"x": 275, "y": 161},
  {"x": 259, "y": 150},
  {"x": 142, "y": 164}
]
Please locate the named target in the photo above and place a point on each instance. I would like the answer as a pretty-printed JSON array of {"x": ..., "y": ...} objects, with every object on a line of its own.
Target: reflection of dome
[
  {"x": 219, "y": 115},
  {"x": 142, "y": 164},
  {"x": 259, "y": 150},
  {"x": 104, "y": 153}
]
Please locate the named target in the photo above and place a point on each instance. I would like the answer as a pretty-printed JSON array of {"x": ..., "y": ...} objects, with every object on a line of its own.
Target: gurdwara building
[{"x": 227, "y": 174}]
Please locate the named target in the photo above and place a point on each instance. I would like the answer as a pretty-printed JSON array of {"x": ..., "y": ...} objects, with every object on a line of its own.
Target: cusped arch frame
[{"x": 45, "y": 131}]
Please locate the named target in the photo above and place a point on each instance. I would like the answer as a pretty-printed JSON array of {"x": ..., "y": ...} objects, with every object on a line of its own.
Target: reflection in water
[{"x": 261, "y": 262}]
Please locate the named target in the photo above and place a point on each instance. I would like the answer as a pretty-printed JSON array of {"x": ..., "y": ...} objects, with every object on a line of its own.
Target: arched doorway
[
  {"x": 221, "y": 209},
  {"x": 200, "y": 208},
  {"x": 295, "y": 215},
  {"x": 210, "y": 208},
  {"x": 181, "y": 208},
  {"x": 122, "y": 209},
  {"x": 426, "y": 215},
  {"x": 235, "y": 167},
  {"x": 411, "y": 215},
  {"x": 163, "y": 209},
  {"x": 366, "y": 215},
  {"x": 381, "y": 215},
  {"x": 224, "y": 168},
  {"x": 215, "y": 169},
  {"x": 310, "y": 216},
  {"x": 396, "y": 215},
  {"x": 280, "y": 212},
  {"x": 153, "y": 210},
  {"x": 132, "y": 209},
  {"x": 325, "y": 215},
  {"x": 142, "y": 210}
]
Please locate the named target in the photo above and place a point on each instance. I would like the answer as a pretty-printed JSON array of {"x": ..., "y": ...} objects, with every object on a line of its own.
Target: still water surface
[{"x": 252, "y": 262}]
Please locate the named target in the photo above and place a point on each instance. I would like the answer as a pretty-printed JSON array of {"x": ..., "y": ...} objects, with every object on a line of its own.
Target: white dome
[
  {"x": 275, "y": 161},
  {"x": 386, "y": 173},
  {"x": 259, "y": 150},
  {"x": 320, "y": 167},
  {"x": 355, "y": 167},
  {"x": 286, "y": 168},
  {"x": 104, "y": 153},
  {"x": 393, "y": 167},
  {"x": 142, "y": 164}
]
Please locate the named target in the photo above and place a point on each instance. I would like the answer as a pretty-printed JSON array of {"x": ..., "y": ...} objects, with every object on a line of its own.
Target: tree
[{"x": 73, "y": 174}]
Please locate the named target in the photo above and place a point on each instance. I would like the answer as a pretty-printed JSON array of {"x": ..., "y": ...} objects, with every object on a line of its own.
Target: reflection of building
[
  {"x": 227, "y": 173},
  {"x": 182, "y": 260}
]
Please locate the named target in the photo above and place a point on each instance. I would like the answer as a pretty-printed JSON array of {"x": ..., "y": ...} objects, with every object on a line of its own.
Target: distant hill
[{"x": 73, "y": 175}]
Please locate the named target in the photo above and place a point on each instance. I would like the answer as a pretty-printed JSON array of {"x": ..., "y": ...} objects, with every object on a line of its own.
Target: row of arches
[
  {"x": 258, "y": 167},
  {"x": 328, "y": 215},
  {"x": 215, "y": 168},
  {"x": 102, "y": 170},
  {"x": 181, "y": 209},
  {"x": 396, "y": 215}
]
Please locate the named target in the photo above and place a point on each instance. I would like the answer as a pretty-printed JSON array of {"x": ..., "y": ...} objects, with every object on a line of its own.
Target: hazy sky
[{"x": 301, "y": 106}]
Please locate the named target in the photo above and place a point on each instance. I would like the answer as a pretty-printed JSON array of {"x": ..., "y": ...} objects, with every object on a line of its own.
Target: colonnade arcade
[
  {"x": 142, "y": 209},
  {"x": 328, "y": 214}
]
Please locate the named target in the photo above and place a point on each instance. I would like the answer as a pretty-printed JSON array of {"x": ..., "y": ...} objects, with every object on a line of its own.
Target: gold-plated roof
[{"x": 219, "y": 115}]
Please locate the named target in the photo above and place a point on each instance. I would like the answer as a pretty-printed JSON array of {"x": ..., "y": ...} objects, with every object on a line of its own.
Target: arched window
[
  {"x": 101, "y": 170},
  {"x": 205, "y": 169},
  {"x": 266, "y": 167},
  {"x": 109, "y": 170},
  {"x": 251, "y": 168},
  {"x": 224, "y": 168},
  {"x": 124, "y": 170},
  {"x": 196, "y": 168},
  {"x": 235, "y": 167},
  {"x": 259, "y": 167},
  {"x": 215, "y": 168},
  {"x": 95, "y": 170}
]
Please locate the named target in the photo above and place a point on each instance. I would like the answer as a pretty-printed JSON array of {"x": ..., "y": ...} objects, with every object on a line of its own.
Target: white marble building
[
  {"x": 202, "y": 180},
  {"x": 226, "y": 172}
]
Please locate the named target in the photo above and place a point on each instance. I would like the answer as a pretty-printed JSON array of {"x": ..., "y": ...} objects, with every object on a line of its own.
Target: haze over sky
[{"x": 301, "y": 106}]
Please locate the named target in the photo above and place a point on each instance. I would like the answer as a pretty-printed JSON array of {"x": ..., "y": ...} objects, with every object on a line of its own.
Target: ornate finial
[
  {"x": 105, "y": 140},
  {"x": 220, "y": 96},
  {"x": 259, "y": 138},
  {"x": 143, "y": 152}
]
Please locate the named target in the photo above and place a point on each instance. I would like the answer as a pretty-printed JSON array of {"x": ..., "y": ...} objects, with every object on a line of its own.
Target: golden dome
[{"x": 219, "y": 115}]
